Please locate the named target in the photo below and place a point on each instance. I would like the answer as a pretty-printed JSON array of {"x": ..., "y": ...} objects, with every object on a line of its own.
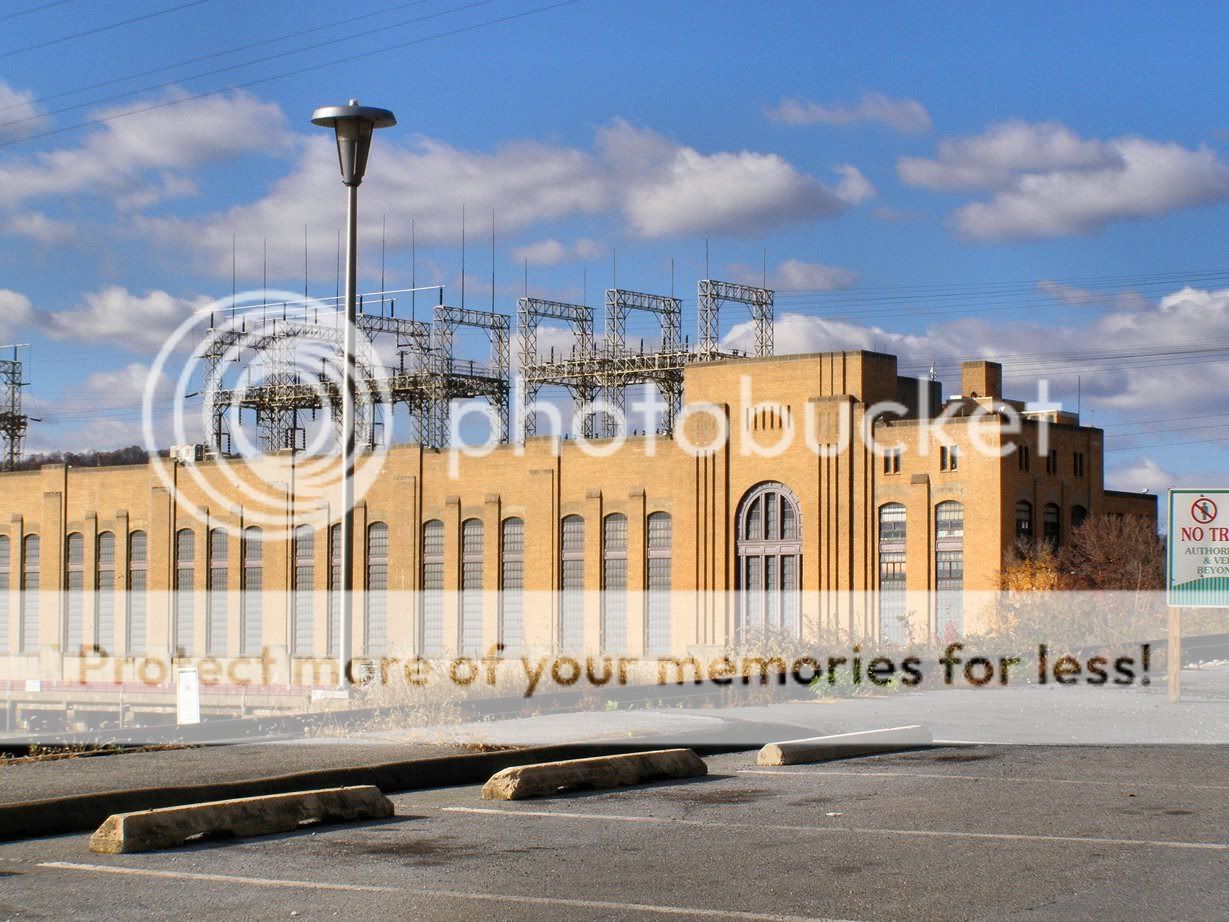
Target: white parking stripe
[
  {"x": 1013, "y": 780},
  {"x": 856, "y": 830},
  {"x": 604, "y": 905}
]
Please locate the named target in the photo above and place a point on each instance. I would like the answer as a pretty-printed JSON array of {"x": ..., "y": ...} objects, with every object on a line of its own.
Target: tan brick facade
[{"x": 839, "y": 495}]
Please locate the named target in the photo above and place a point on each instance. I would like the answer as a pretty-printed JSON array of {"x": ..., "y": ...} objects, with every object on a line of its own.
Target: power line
[
  {"x": 34, "y": 9},
  {"x": 207, "y": 57},
  {"x": 99, "y": 29},
  {"x": 221, "y": 70},
  {"x": 302, "y": 70}
]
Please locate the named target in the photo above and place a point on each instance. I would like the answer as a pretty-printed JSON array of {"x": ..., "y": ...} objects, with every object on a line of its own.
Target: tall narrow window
[
  {"x": 185, "y": 573},
  {"x": 471, "y": 587},
  {"x": 6, "y": 570},
  {"x": 215, "y": 588},
  {"x": 893, "y": 616},
  {"x": 304, "y": 590},
  {"x": 334, "y": 615},
  {"x": 769, "y": 561},
  {"x": 1078, "y": 464},
  {"x": 512, "y": 586},
  {"x": 30, "y": 581},
  {"x": 1078, "y": 516},
  {"x": 659, "y": 622},
  {"x": 1024, "y": 523},
  {"x": 614, "y": 584},
  {"x": 433, "y": 588},
  {"x": 949, "y": 570},
  {"x": 1052, "y": 525},
  {"x": 104, "y": 592},
  {"x": 376, "y": 595},
  {"x": 138, "y": 567},
  {"x": 1022, "y": 457},
  {"x": 74, "y": 583},
  {"x": 572, "y": 584},
  {"x": 251, "y": 590}
]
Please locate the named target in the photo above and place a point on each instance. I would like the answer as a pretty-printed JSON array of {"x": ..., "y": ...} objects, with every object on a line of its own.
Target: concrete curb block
[
  {"x": 844, "y": 745},
  {"x": 84, "y": 812},
  {"x": 168, "y": 827},
  {"x": 544, "y": 779}
]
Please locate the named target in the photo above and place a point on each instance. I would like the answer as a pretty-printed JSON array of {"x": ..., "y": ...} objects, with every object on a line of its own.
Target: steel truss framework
[
  {"x": 430, "y": 376},
  {"x": 13, "y": 421},
  {"x": 711, "y": 294}
]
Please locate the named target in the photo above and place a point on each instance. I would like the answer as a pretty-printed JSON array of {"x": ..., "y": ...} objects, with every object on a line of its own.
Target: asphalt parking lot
[{"x": 949, "y": 833}]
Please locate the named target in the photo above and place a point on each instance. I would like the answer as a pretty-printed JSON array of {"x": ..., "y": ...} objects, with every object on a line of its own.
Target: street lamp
[{"x": 354, "y": 125}]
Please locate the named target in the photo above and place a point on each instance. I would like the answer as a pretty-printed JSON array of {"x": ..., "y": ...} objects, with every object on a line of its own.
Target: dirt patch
[
  {"x": 965, "y": 756},
  {"x": 431, "y": 852}
]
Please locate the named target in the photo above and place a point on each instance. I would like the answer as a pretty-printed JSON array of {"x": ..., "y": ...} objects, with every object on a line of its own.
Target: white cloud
[
  {"x": 19, "y": 116},
  {"x": 659, "y": 187},
  {"x": 1048, "y": 182},
  {"x": 115, "y": 388},
  {"x": 907, "y": 116},
  {"x": 15, "y": 311},
  {"x": 1140, "y": 476},
  {"x": 137, "y": 159},
  {"x": 137, "y": 322},
  {"x": 39, "y": 227},
  {"x": 552, "y": 252},
  {"x": 1087, "y": 297},
  {"x": 796, "y": 275},
  {"x": 668, "y": 189}
]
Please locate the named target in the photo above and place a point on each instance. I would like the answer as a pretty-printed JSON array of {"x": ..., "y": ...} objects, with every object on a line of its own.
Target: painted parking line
[
  {"x": 846, "y": 830},
  {"x": 1013, "y": 780},
  {"x": 548, "y": 901}
]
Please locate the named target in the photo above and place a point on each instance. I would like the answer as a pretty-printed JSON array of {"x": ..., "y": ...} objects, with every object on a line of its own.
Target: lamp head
[{"x": 353, "y": 125}]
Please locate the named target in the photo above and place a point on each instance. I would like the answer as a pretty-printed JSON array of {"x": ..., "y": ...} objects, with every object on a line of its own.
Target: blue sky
[{"x": 1045, "y": 183}]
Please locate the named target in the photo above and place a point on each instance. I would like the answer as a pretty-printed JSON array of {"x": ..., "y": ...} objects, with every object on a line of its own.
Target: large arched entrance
[{"x": 769, "y": 549}]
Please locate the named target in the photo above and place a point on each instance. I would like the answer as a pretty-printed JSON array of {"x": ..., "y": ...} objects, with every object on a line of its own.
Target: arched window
[
  {"x": 104, "y": 592},
  {"x": 769, "y": 560},
  {"x": 185, "y": 572},
  {"x": 572, "y": 583},
  {"x": 215, "y": 588},
  {"x": 512, "y": 586},
  {"x": 138, "y": 568},
  {"x": 6, "y": 570},
  {"x": 304, "y": 586},
  {"x": 30, "y": 580},
  {"x": 74, "y": 583},
  {"x": 1052, "y": 525},
  {"x": 376, "y": 595},
  {"x": 471, "y": 587},
  {"x": 1024, "y": 522},
  {"x": 893, "y": 616},
  {"x": 433, "y": 588},
  {"x": 949, "y": 570},
  {"x": 1078, "y": 516},
  {"x": 659, "y": 625},
  {"x": 252, "y": 550},
  {"x": 614, "y": 583},
  {"x": 334, "y": 588}
]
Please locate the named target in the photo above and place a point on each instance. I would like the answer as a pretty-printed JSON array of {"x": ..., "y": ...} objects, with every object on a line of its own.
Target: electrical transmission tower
[
  {"x": 711, "y": 294},
  {"x": 13, "y": 421}
]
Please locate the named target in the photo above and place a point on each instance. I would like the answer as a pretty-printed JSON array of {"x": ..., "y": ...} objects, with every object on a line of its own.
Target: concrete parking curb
[
  {"x": 844, "y": 745},
  {"x": 168, "y": 827},
  {"x": 611, "y": 771},
  {"x": 84, "y": 812}
]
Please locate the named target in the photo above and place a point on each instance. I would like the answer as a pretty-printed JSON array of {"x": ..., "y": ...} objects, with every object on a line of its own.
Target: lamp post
[{"x": 354, "y": 125}]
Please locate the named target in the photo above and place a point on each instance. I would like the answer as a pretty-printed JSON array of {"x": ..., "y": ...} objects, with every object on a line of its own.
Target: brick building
[{"x": 748, "y": 534}]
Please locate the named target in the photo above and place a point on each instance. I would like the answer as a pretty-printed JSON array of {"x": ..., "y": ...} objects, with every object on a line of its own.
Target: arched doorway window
[
  {"x": 1024, "y": 523},
  {"x": 1078, "y": 515},
  {"x": 949, "y": 570},
  {"x": 769, "y": 560},
  {"x": 893, "y": 623},
  {"x": 1051, "y": 525}
]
